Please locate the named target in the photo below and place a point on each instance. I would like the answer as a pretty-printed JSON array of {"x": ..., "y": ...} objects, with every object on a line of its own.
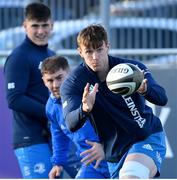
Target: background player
[
  {"x": 27, "y": 96},
  {"x": 54, "y": 70}
]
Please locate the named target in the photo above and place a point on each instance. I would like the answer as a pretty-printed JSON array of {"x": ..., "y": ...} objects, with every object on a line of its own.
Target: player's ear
[
  {"x": 43, "y": 79},
  {"x": 108, "y": 45},
  {"x": 52, "y": 24},
  {"x": 24, "y": 24},
  {"x": 80, "y": 51}
]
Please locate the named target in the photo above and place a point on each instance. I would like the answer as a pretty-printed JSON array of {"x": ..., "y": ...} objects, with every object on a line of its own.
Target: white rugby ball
[{"x": 124, "y": 78}]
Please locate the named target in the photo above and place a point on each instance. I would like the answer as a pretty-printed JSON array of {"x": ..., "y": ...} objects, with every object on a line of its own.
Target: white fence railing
[
  {"x": 72, "y": 52},
  {"x": 160, "y": 56}
]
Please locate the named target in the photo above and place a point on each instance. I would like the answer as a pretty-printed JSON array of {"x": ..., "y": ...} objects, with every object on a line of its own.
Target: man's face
[
  {"x": 38, "y": 31},
  {"x": 54, "y": 81},
  {"x": 96, "y": 59}
]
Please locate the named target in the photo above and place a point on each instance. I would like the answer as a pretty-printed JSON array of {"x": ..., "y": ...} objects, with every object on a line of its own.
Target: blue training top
[
  {"x": 120, "y": 121},
  {"x": 61, "y": 136},
  {"x": 26, "y": 94}
]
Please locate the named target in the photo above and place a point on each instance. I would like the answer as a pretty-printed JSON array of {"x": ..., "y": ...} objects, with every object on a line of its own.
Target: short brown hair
[
  {"x": 92, "y": 36},
  {"x": 37, "y": 11},
  {"x": 53, "y": 64}
]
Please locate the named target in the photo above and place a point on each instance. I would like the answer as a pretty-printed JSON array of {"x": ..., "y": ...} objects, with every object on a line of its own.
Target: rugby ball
[{"x": 124, "y": 79}]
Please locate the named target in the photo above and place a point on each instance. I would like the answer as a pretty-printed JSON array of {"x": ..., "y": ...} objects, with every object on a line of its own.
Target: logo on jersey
[
  {"x": 63, "y": 127},
  {"x": 134, "y": 111},
  {"x": 39, "y": 168},
  {"x": 158, "y": 157},
  {"x": 147, "y": 71},
  {"x": 65, "y": 104},
  {"x": 11, "y": 85},
  {"x": 26, "y": 170},
  {"x": 91, "y": 88},
  {"x": 40, "y": 64},
  {"x": 148, "y": 147}
]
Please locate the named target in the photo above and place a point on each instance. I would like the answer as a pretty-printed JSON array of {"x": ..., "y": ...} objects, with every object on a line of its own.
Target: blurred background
[{"x": 145, "y": 30}]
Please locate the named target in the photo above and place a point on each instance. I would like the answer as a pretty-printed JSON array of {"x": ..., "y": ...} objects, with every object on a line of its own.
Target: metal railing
[
  {"x": 131, "y": 24},
  {"x": 155, "y": 56},
  {"x": 141, "y": 29}
]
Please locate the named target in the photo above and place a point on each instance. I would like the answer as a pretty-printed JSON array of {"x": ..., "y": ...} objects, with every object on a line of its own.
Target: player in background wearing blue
[
  {"x": 27, "y": 95},
  {"x": 133, "y": 137},
  {"x": 54, "y": 70}
]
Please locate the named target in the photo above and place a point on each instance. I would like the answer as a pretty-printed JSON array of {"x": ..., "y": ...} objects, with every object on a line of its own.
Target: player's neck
[{"x": 102, "y": 74}]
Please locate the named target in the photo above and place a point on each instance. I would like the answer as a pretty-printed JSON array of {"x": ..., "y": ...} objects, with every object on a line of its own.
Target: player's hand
[
  {"x": 55, "y": 172},
  {"x": 95, "y": 153},
  {"x": 88, "y": 98},
  {"x": 143, "y": 88}
]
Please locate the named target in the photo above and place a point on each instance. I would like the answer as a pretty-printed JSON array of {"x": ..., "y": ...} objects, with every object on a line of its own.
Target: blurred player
[
  {"x": 54, "y": 70},
  {"x": 27, "y": 95}
]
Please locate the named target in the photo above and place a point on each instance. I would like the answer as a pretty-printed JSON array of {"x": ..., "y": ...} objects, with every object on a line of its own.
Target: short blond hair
[{"x": 92, "y": 36}]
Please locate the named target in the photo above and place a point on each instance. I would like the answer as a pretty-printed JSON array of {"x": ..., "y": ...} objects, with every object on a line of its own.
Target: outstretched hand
[
  {"x": 95, "y": 153},
  {"x": 88, "y": 98}
]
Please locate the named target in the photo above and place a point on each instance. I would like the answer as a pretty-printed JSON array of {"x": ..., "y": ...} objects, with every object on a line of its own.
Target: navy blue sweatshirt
[
  {"x": 120, "y": 121},
  {"x": 26, "y": 94}
]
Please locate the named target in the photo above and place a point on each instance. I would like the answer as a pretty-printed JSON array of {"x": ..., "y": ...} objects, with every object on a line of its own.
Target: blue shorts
[
  {"x": 154, "y": 146},
  {"x": 34, "y": 161},
  {"x": 73, "y": 163},
  {"x": 89, "y": 172}
]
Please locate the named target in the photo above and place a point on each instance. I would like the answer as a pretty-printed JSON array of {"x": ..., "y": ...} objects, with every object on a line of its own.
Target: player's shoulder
[
  {"x": 79, "y": 70},
  {"x": 75, "y": 81},
  {"x": 78, "y": 73},
  {"x": 17, "y": 53},
  {"x": 49, "y": 103},
  {"x": 15, "y": 57},
  {"x": 51, "y": 106},
  {"x": 51, "y": 52}
]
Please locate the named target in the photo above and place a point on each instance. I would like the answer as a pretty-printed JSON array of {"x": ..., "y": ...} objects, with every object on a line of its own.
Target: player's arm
[
  {"x": 77, "y": 105},
  {"x": 16, "y": 81},
  {"x": 60, "y": 142},
  {"x": 151, "y": 90}
]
